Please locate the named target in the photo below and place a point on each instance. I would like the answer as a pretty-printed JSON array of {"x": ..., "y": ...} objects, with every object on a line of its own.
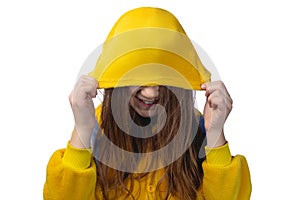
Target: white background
[{"x": 254, "y": 45}]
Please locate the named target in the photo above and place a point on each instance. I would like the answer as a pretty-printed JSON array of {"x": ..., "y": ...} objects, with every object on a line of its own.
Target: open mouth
[{"x": 147, "y": 102}]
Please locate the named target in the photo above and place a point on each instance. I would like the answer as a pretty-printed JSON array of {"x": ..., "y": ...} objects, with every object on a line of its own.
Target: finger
[
  {"x": 204, "y": 87},
  {"x": 71, "y": 98},
  {"x": 88, "y": 91},
  {"x": 87, "y": 80},
  {"x": 229, "y": 100},
  {"x": 216, "y": 86},
  {"x": 212, "y": 86},
  {"x": 92, "y": 92},
  {"x": 87, "y": 85},
  {"x": 222, "y": 105},
  {"x": 209, "y": 88},
  {"x": 216, "y": 100}
]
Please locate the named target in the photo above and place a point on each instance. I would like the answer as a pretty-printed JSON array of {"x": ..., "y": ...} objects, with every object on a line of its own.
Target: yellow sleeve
[
  {"x": 225, "y": 177},
  {"x": 71, "y": 174}
]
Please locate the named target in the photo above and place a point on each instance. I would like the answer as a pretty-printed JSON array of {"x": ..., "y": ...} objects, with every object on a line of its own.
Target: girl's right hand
[{"x": 83, "y": 110}]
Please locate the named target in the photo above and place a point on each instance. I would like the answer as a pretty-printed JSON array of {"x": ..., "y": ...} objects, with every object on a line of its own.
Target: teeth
[{"x": 148, "y": 102}]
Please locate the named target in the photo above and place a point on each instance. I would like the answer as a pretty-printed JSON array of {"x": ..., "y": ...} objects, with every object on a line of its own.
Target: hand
[
  {"x": 84, "y": 111},
  {"x": 216, "y": 110}
]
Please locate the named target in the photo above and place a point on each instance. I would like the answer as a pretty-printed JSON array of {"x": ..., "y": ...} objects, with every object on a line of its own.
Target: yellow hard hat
[{"x": 148, "y": 46}]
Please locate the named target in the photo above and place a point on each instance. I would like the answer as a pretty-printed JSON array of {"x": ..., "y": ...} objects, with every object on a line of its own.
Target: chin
[{"x": 146, "y": 114}]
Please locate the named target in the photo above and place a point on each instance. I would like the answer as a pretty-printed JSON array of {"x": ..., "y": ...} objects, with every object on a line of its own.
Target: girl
[{"x": 147, "y": 140}]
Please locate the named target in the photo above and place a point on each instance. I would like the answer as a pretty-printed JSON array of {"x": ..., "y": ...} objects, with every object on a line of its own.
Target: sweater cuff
[
  {"x": 219, "y": 156},
  {"x": 77, "y": 158}
]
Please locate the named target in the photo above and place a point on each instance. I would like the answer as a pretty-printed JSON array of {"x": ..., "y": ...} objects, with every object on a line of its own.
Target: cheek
[
  {"x": 132, "y": 89},
  {"x": 131, "y": 102},
  {"x": 132, "y": 92}
]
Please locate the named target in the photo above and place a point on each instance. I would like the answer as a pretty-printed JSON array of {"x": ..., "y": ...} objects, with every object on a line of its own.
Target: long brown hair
[{"x": 183, "y": 176}]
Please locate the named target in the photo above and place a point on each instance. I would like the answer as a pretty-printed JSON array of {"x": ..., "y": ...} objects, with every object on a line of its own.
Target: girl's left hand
[{"x": 216, "y": 110}]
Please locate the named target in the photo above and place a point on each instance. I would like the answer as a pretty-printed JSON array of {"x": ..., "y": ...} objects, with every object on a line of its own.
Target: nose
[{"x": 150, "y": 92}]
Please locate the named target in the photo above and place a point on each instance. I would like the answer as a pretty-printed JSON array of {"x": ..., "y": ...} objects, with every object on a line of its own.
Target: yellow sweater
[
  {"x": 71, "y": 175},
  {"x": 71, "y": 172}
]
